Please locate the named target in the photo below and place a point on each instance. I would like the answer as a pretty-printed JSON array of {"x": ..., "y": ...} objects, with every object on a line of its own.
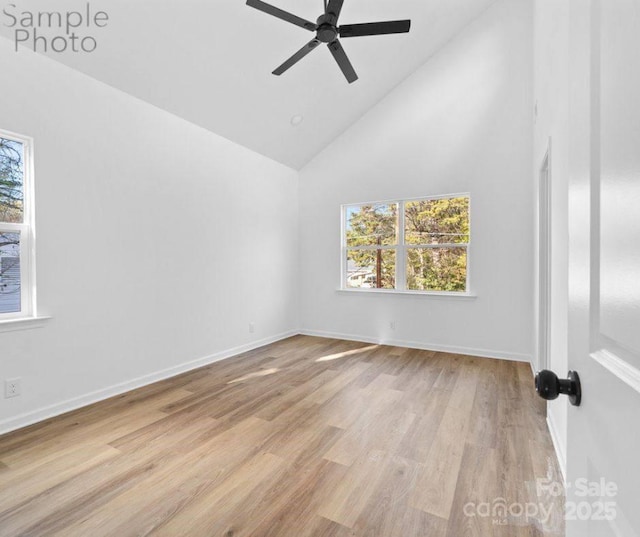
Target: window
[
  {"x": 16, "y": 229},
  {"x": 413, "y": 245}
]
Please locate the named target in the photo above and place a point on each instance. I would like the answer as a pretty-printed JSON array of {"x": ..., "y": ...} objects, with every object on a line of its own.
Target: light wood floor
[{"x": 305, "y": 437}]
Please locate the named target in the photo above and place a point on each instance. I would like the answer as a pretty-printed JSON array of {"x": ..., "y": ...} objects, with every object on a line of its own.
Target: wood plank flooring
[{"x": 305, "y": 437}]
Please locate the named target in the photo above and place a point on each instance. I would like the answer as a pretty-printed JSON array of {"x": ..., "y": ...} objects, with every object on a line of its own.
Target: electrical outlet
[
  {"x": 392, "y": 325},
  {"x": 11, "y": 388},
  {"x": 252, "y": 328}
]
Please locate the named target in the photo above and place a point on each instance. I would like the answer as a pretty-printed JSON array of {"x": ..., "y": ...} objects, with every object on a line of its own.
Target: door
[{"x": 603, "y": 440}]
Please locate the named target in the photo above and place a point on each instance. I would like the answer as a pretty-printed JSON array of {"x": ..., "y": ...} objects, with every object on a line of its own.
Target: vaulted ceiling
[{"x": 210, "y": 63}]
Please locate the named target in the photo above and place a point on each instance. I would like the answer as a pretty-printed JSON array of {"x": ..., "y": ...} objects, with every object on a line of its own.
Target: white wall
[
  {"x": 461, "y": 123},
  {"x": 158, "y": 242},
  {"x": 551, "y": 82}
]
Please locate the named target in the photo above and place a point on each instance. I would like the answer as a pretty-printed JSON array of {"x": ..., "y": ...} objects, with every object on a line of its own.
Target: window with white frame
[
  {"x": 407, "y": 245},
  {"x": 16, "y": 227}
]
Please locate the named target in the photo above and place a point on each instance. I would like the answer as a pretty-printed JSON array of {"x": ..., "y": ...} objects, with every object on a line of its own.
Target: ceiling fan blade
[
  {"x": 297, "y": 56},
  {"x": 375, "y": 28},
  {"x": 335, "y": 7},
  {"x": 284, "y": 15},
  {"x": 341, "y": 57}
]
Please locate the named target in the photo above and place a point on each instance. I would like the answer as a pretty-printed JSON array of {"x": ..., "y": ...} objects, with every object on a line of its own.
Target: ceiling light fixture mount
[
  {"x": 296, "y": 120},
  {"x": 328, "y": 31}
]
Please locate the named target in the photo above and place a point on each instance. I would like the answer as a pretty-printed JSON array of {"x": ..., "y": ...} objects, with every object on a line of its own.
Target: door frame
[{"x": 543, "y": 262}]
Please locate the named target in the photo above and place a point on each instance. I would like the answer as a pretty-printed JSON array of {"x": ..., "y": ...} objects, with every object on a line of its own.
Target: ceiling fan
[{"x": 328, "y": 31}]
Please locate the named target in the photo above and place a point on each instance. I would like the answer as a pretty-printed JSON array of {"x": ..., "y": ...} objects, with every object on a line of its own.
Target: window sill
[
  {"x": 430, "y": 294},
  {"x": 23, "y": 323}
]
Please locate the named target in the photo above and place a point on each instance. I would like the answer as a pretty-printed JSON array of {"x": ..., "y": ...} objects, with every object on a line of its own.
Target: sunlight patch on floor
[
  {"x": 257, "y": 374},
  {"x": 338, "y": 355}
]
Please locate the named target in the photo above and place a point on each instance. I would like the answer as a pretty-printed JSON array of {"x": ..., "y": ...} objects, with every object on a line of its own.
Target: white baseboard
[
  {"x": 29, "y": 418},
  {"x": 453, "y": 349},
  {"x": 559, "y": 448}
]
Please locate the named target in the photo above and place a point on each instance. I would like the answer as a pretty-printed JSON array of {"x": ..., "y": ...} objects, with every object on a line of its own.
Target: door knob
[{"x": 549, "y": 386}]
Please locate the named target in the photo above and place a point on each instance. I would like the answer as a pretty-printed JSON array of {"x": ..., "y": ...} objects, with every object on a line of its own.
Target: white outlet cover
[{"x": 11, "y": 388}]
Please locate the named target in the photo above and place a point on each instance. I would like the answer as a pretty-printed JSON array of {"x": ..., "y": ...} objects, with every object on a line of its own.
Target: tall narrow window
[
  {"x": 412, "y": 245},
  {"x": 371, "y": 242},
  {"x": 16, "y": 228},
  {"x": 437, "y": 239}
]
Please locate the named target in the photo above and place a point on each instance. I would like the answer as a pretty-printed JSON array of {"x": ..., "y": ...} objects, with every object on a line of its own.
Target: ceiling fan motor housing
[
  {"x": 327, "y": 33},
  {"x": 327, "y": 30}
]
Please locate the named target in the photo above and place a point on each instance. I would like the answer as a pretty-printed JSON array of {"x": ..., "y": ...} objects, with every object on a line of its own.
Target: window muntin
[
  {"x": 16, "y": 229},
  {"x": 411, "y": 245}
]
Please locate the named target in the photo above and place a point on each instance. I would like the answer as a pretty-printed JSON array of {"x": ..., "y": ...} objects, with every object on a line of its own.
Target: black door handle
[{"x": 549, "y": 386}]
